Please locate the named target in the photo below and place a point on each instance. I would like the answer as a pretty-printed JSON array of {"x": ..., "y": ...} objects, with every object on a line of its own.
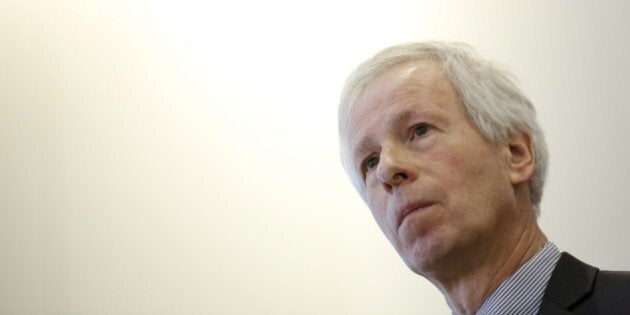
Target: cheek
[
  {"x": 449, "y": 169},
  {"x": 378, "y": 204},
  {"x": 478, "y": 189},
  {"x": 464, "y": 176},
  {"x": 378, "y": 207}
]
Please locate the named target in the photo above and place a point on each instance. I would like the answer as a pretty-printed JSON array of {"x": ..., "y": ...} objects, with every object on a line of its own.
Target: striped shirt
[{"x": 522, "y": 292}]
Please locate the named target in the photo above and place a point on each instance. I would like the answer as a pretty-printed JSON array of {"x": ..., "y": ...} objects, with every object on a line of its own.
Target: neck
[{"x": 466, "y": 290}]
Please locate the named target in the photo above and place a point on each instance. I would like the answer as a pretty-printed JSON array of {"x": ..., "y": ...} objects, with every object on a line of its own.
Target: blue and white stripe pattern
[{"x": 522, "y": 292}]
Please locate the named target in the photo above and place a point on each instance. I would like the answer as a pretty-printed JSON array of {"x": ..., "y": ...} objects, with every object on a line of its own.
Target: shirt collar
[{"x": 523, "y": 291}]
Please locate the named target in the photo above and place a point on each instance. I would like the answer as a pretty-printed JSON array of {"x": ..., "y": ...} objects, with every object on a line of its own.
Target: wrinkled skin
[{"x": 417, "y": 152}]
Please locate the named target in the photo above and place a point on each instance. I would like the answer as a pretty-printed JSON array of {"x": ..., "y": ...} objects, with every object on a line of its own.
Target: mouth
[{"x": 409, "y": 209}]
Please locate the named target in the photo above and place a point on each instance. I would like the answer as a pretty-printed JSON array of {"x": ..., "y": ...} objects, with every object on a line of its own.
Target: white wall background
[{"x": 180, "y": 157}]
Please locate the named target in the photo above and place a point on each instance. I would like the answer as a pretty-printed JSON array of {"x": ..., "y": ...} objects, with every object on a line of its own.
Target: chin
[{"x": 427, "y": 255}]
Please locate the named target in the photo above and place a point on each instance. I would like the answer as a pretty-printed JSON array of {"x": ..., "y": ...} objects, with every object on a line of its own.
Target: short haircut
[{"x": 490, "y": 97}]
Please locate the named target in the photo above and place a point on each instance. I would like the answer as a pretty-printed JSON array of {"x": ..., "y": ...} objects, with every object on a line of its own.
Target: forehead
[
  {"x": 405, "y": 91},
  {"x": 422, "y": 82}
]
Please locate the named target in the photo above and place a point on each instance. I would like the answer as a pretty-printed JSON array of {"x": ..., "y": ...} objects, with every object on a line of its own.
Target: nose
[{"x": 395, "y": 168}]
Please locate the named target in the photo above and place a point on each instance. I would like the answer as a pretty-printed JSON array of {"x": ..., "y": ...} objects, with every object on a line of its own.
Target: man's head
[
  {"x": 491, "y": 99},
  {"x": 443, "y": 147}
]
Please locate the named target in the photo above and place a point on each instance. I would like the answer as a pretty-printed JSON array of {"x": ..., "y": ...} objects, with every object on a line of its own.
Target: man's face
[{"x": 437, "y": 188}]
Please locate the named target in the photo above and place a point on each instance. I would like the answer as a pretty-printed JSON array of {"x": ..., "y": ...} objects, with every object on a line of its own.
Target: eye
[
  {"x": 420, "y": 130},
  {"x": 370, "y": 163}
]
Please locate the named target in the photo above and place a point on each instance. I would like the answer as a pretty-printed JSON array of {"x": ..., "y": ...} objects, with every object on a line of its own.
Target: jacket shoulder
[
  {"x": 591, "y": 291},
  {"x": 610, "y": 295}
]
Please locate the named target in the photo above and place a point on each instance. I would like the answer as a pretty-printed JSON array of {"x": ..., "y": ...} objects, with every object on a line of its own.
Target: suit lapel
[
  {"x": 570, "y": 281},
  {"x": 549, "y": 308}
]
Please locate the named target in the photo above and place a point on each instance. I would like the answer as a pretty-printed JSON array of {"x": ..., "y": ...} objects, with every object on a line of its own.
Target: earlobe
[{"x": 522, "y": 159}]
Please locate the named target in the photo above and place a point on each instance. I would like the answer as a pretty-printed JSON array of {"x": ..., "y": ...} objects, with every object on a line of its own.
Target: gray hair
[{"x": 491, "y": 99}]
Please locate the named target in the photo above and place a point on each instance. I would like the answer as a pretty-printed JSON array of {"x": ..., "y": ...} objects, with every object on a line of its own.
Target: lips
[{"x": 408, "y": 209}]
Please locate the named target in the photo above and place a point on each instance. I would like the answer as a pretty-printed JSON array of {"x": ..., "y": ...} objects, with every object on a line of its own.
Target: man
[{"x": 447, "y": 153}]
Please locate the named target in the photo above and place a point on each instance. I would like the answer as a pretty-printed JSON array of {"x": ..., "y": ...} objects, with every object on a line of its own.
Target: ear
[{"x": 522, "y": 160}]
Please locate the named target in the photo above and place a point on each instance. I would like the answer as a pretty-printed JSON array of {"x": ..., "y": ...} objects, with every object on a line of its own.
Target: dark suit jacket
[{"x": 577, "y": 288}]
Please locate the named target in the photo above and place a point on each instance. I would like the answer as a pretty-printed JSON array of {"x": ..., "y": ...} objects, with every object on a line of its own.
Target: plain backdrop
[{"x": 181, "y": 157}]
